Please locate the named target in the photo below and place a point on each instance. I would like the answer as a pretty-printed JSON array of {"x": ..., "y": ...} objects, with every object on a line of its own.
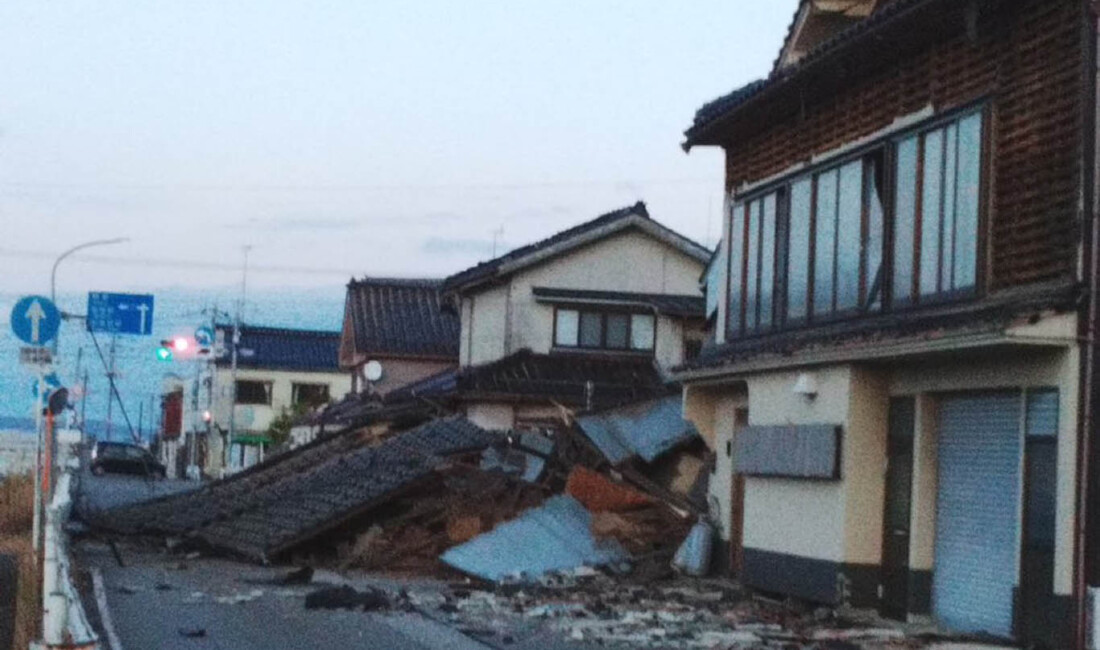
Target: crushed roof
[
  {"x": 717, "y": 109},
  {"x": 664, "y": 303},
  {"x": 297, "y": 497},
  {"x": 491, "y": 268},
  {"x": 647, "y": 430},
  {"x": 401, "y": 317},
  {"x": 275, "y": 348}
]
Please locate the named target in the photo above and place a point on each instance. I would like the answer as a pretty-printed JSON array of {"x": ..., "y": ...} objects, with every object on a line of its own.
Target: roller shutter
[{"x": 977, "y": 519}]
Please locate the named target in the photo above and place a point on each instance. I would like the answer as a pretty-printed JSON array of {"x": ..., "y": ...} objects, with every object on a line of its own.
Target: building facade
[{"x": 900, "y": 387}]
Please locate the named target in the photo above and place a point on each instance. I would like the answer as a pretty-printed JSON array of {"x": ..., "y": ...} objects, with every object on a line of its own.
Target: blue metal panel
[
  {"x": 1042, "y": 412},
  {"x": 977, "y": 520},
  {"x": 553, "y": 537},
  {"x": 648, "y": 429}
]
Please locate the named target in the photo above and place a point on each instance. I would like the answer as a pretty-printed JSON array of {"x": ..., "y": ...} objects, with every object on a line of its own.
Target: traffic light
[{"x": 169, "y": 348}]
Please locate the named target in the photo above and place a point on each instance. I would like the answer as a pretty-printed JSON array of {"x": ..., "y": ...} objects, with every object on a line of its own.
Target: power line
[
  {"x": 410, "y": 187},
  {"x": 178, "y": 263}
]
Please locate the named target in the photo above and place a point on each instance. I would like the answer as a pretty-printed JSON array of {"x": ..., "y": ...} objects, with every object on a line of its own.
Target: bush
[{"x": 16, "y": 521}]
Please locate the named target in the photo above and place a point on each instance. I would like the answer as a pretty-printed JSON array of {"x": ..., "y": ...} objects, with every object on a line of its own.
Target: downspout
[{"x": 1088, "y": 492}]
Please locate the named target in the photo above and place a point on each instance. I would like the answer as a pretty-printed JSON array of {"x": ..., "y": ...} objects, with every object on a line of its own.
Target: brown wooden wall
[{"x": 1026, "y": 58}]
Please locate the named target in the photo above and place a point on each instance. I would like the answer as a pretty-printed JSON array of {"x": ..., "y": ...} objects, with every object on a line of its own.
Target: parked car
[{"x": 124, "y": 458}]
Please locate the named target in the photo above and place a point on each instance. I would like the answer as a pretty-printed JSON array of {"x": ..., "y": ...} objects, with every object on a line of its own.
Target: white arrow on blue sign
[
  {"x": 120, "y": 313},
  {"x": 35, "y": 320}
]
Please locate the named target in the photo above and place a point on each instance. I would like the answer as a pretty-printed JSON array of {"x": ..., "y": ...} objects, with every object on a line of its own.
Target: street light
[{"x": 53, "y": 271}]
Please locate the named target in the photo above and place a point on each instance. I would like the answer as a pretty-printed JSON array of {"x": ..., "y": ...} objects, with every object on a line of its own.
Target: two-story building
[
  {"x": 279, "y": 371},
  {"x": 589, "y": 317},
  {"x": 900, "y": 393}
]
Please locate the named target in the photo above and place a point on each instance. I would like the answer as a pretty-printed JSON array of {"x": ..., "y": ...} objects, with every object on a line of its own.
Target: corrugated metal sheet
[
  {"x": 977, "y": 522},
  {"x": 647, "y": 430},
  {"x": 1042, "y": 412},
  {"x": 797, "y": 451},
  {"x": 553, "y": 537}
]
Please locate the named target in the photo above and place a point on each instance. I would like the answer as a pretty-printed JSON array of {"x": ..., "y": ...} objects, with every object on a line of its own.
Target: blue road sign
[
  {"x": 204, "y": 336},
  {"x": 35, "y": 320},
  {"x": 120, "y": 313},
  {"x": 52, "y": 382}
]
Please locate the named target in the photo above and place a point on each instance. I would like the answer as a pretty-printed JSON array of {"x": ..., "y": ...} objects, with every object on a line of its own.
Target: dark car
[{"x": 123, "y": 458}]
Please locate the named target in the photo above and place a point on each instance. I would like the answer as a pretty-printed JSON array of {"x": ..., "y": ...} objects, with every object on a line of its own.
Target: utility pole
[
  {"x": 111, "y": 382},
  {"x": 233, "y": 350}
]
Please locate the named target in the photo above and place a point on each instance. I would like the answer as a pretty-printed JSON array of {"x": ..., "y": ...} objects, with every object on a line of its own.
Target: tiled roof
[
  {"x": 664, "y": 303},
  {"x": 637, "y": 211},
  {"x": 564, "y": 378},
  {"x": 401, "y": 317},
  {"x": 273, "y": 348},
  {"x": 558, "y": 378},
  {"x": 720, "y": 108},
  {"x": 293, "y": 499}
]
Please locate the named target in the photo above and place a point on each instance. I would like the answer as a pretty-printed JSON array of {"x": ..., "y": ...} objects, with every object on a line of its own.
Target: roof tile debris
[
  {"x": 401, "y": 317},
  {"x": 275, "y": 348},
  {"x": 647, "y": 430},
  {"x": 681, "y": 305}
]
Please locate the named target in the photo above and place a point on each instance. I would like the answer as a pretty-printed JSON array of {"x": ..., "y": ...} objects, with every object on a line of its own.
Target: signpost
[
  {"x": 35, "y": 320},
  {"x": 120, "y": 313}
]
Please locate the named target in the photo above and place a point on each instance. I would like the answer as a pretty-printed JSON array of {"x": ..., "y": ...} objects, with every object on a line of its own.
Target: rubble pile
[
  {"x": 605, "y": 610},
  {"x": 410, "y": 533}
]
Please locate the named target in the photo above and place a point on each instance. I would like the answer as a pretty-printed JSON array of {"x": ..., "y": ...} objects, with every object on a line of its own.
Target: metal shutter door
[{"x": 977, "y": 514}]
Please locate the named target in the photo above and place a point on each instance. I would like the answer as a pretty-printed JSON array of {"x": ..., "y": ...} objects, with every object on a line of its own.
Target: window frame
[
  {"x": 268, "y": 390},
  {"x": 295, "y": 395},
  {"x": 884, "y": 151},
  {"x": 603, "y": 313}
]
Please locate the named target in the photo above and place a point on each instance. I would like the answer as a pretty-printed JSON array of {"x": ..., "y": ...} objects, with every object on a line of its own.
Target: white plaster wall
[
  {"x": 798, "y": 517},
  {"x": 488, "y": 317},
  {"x": 488, "y": 415},
  {"x": 504, "y": 319}
]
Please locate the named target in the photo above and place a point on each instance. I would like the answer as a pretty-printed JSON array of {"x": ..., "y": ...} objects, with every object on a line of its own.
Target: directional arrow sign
[
  {"x": 35, "y": 320},
  {"x": 120, "y": 313}
]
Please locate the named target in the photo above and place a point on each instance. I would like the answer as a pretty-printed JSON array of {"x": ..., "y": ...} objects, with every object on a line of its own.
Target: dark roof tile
[
  {"x": 274, "y": 348},
  {"x": 664, "y": 303},
  {"x": 401, "y": 317}
]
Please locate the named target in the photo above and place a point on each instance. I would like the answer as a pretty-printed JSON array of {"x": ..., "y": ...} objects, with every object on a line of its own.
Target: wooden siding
[{"x": 1025, "y": 57}]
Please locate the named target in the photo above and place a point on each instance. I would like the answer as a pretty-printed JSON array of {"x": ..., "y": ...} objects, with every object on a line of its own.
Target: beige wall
[
  {"x": 257, "y": 418},
  {"x": 500, "y": 417},
  {"x": 842, "y": 520},
  {"x": 504, "y": 319},
  {"x": 400, "y": 372},
  {"x": 713, "y": 409}
]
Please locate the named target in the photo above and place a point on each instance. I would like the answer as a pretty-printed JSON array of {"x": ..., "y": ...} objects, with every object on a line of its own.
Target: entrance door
[
  {"x": 899, "y": 493},
  {"x": 737, "y": 503},
  {"x": 977, "y": 519}
]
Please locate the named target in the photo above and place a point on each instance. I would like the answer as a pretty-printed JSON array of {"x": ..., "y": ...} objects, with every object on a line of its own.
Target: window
[
  {"x": 566, "y": 324},
  {"x": 939, "y": 196},
  {"x": 815, "y": 248},
  {"x": 253, "y": 392},
  {"x": 311, "y": 395},
  {"x": 603, "y": 330}
]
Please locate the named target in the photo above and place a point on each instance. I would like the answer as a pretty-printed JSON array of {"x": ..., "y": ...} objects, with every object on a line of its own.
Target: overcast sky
[{"x": 350, "y": 137}]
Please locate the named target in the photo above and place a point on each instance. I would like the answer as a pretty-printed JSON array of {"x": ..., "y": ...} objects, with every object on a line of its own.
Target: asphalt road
[
  {"x": 95, "y": 493},
  {"x": 163, "y": 602}
]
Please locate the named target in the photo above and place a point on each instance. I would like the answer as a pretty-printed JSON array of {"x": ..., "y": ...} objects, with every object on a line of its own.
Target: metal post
[
  {"x": 57, "y": 262},
  {"x": 233, "y": 351},
  {"x": 37, "y": 525},
  {"x": 111, "y": 381}
]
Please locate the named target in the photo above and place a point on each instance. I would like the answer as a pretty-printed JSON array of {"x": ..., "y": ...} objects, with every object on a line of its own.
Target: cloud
[
  {"x": 458, "y": 246},
  {"x": 296, "y": 224}
]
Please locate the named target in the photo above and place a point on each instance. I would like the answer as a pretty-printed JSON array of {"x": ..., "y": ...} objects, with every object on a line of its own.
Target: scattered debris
[
  {"x": 192, "y": 632},
  {"x": 301, "y": 576},
  {"x": 239, "y": 598},
  {"x": 346, "y": 597},
  {"x": 693, "y": 556},
  {"x": 164, "y": 586}
]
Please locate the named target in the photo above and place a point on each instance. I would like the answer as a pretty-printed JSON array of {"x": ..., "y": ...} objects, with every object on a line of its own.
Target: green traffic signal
[{"x": 164, "y": 353}]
